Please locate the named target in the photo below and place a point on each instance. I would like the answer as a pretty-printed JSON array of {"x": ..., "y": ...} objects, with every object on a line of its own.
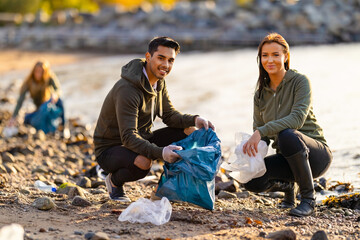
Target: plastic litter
[
  {"x": 13, "y": 231},
  {"x": 192, "y": 179},
  {"x": 144, "y": 210},
  {"x": 44, "y": 187},
  {"x": 243, "y": 167},
  {"x": 10, "y": 131}
]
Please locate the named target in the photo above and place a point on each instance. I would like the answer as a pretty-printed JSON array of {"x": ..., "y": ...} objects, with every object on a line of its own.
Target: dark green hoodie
[
  {"x": 125, "y": 117},
  {"x": 290, "y": 106}
]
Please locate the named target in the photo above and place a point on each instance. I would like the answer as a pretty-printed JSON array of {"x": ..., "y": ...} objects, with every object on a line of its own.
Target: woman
[
  {"x": 44, "y": 90},
  {"x": 283, "y": 112}
]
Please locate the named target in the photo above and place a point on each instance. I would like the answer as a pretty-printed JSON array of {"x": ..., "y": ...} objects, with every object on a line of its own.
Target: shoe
[
  {"x": 305, "y": 208},
  {"x": 115, "y": 193}
]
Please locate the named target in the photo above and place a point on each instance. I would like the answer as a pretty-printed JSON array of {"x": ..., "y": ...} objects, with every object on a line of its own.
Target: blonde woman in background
[{"x": 44, "y": 89}]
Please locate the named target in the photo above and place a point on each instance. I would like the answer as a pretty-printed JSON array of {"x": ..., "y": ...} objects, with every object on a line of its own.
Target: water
[{"x": 220, "y": 86}]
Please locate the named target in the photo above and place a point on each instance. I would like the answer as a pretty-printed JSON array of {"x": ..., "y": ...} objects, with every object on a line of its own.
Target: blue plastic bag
[
  {"x": 192, "y": 179},
  {"x": 45, "y": 117}
]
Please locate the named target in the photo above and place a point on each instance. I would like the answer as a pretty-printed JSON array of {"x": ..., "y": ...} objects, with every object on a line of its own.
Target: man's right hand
[{"x": 169, "y": 155}]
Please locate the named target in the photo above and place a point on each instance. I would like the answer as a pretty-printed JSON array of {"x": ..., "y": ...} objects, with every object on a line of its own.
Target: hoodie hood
[{"x": 132, "y": 72}]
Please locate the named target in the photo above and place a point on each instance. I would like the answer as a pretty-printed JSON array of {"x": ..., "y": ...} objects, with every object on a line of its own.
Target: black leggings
[
  {"x": 277, "y": 168},
  {"x": 119, "y": 160}
]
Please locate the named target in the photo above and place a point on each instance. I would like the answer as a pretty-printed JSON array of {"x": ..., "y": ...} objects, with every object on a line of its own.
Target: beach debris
[
  {"x": 226, "y": 195},
  {"x": 342, "y": 187},
  {"x": 351, "y": 201},
  {"x": 13, "y": 231}
]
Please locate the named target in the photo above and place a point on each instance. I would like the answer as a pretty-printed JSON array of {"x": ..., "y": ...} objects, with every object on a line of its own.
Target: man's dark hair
[{"x": 163, "y": 41}]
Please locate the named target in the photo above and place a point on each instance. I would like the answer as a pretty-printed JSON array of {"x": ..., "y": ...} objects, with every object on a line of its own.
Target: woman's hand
[
  {"x": 54, "y": 98},
  {"x": 250, "y": 147}
]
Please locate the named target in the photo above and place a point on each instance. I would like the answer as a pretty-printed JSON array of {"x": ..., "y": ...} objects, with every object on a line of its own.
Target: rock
[
  {"x": 229, "y": 186},
  {"x": 49, "y": 152},
  {"x": 319, "y": 235},
  {"x": 40, "y": 135},
  {"x": 2, "y": 169},
  {"x": 3, "y": 180},
  {"x": 10, "y": 168},
  {"x": 27, "y": 150},
  {"x": 96, "y": 184},
  {"x": 244, "y": 194},
  {"x": 81, "y": 202},
  {"x": 226, "y": 195},
  {"x": 43, "y": 203},
  {"x": 76, "y": 191},
  {"x": 100, "y": 236},
  {"x": 89, "y": 235},
  {"x": 8, "y": 158},
  {"x": 84, "y": 182},
  {"x": 287, "y": 234}
]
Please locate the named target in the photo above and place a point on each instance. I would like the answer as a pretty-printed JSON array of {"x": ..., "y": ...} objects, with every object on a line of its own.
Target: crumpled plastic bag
[
  {"x": 243, "y": 167},
  {"x": 192, "y": 178},
  {"x": 10, "y": 131},
  {"x": 13, "y": 231},
  {"x": 144, "y": 210}
]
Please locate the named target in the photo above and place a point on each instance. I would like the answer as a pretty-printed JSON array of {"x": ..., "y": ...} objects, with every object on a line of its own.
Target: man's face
[{"x": 161, "y": 62}]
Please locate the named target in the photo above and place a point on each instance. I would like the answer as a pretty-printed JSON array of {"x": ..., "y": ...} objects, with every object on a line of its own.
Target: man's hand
[
  {"x": 203, "y": 122},
  {"x": 169, "y": 155}
]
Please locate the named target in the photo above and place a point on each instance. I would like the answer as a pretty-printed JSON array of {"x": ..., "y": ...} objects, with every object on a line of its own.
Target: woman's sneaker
[{"x": 115, "y": 193}]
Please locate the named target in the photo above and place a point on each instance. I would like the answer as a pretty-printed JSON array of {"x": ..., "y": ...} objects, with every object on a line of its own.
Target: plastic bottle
[{"x": 44, "y": 187}]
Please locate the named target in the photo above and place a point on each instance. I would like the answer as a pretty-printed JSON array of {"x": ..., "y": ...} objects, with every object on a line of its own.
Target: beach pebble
[
  {"x": 43, "y": 203},
  {"x": 244, "y": 194},
  {"x": 226, "y": 195},
  {"x": 84, "y": 182},
  {"x": 287, "y": 234},
  {"x": 100, "y": 236},
  {"x": 78, "y": 233},
  {"x": 8, "y": 158},
  {"x": 319, "y": 235},
  {"x": 81, "y": 202},
  {"x": 229, "y": 186}
]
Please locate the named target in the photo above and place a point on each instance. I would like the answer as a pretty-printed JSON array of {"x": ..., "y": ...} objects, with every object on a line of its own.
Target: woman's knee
[
  {"x": 289, "y": 142},
  {"x": 143, "y": 162}
]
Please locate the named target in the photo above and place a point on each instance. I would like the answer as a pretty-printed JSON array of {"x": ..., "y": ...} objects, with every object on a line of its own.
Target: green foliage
[
  {"x": 19, "y": 6},
  {"x": 32, "y": 6}
]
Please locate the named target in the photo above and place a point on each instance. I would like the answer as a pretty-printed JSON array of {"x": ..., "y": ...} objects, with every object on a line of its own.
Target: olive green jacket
[
  {"x": 126, "y": 115},
  {"x": 290, "y": 106}
]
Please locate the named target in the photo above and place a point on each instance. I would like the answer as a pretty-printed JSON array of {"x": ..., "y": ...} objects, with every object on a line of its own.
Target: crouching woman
[{"x": 283, "y": 112}]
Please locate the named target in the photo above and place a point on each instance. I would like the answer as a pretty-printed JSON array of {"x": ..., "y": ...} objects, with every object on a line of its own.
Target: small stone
[
  {"x": 40, "y": 135},
  {"x": 89, "y": 235},
  {"x": 229, "y": 186},
  {"x": 25, "y": 191},
  {"x": 78, "y": 233},
  {"x": 100, "y": 236},
  {"x": 8, "y": 158},
  {"x": 319, "y": 235},
  {"x": 244, "y": 194},
  {"x": 348, "y": 213},
  {"x": 96, "y": 184},
  {"x": 81, "y": 202},
  {"x": 42, "y": 230},
  {"x": 43, "y": 203},
  {"x": 226, "y": 195},
  {"x": 76, "y": 191},
  {"x": 84, "y": 182},
  {"x": 282, "y": 235}
]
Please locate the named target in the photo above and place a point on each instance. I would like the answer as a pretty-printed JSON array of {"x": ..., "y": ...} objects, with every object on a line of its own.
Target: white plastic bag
[
  {"x": 144, "y": 210},
  {"x": 243, "y": 167},
  {"x": 10, "y": 131},
  {"x": 13, "y": 231}
]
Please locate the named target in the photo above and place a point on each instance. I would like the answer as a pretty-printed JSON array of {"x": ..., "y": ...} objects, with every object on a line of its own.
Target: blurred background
[{"x": 125, "y": 26}]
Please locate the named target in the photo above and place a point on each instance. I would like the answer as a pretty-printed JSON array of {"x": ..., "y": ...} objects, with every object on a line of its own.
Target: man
[{"x": 124, "y": 143}]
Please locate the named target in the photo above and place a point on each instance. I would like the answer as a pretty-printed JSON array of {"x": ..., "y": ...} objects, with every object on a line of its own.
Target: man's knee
[
  {"x": 189, "y": 130},
  {"x": 143, "y": 162}
]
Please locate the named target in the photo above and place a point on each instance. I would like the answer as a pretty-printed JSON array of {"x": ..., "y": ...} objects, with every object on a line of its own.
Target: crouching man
[{"x": 124, "y": 143}]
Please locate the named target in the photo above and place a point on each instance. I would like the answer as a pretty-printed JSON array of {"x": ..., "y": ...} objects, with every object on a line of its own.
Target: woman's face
[
  {"x": 38, "y": 73},
  {"x": 273, "y": 58}
]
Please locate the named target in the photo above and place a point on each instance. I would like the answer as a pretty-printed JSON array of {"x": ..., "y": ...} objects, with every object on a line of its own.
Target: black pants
[
  {"x": 119, "y": 160},
  {"x": 277, "y": 167}
]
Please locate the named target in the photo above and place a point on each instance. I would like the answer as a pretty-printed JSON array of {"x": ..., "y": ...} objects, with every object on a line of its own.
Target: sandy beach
[{"x": 218, "y": 86}]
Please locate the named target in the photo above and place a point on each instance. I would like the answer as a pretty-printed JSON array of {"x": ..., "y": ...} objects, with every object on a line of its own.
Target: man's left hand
[{"x": 203, "y": 122}]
